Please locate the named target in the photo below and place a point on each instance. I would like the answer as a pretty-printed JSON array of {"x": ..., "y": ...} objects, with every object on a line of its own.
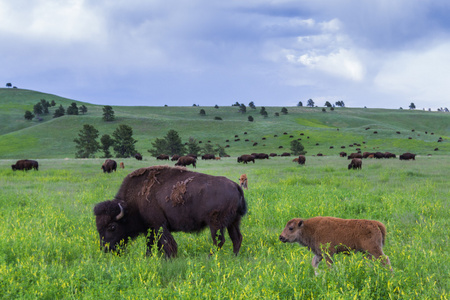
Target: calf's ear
[{"x": 300, "y": 223}]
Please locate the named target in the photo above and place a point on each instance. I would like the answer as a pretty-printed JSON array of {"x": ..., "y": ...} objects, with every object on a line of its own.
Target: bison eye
[
  {"x": 111, "y": 227},
  {"x": 291, "y": 228}
]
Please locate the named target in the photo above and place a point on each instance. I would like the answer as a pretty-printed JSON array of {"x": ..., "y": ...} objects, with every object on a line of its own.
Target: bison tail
[
  {"x": 383, "y": 231},
  {"x": 242, "y": 209}
]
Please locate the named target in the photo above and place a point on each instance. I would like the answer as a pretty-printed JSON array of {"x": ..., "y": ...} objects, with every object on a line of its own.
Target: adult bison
[
  {"x": 245, "y": 158},
  {"x": 186, "y": 160},
  {"x": 25, "y": 165},
  {"x": 138, "y": 156},
  {"x": 336, "y": 235},
  {"x": 301, "y": 159},
  {"x": 162, "y": 157},
  {"x": 109, "y": 165},
  {"x": 171, "y": 199},
  {"x": 175, "y": 157},
  {"x": 354, "y": 155},
  {"x": 356, "y": 163},
  {"x": 208, "y": 156},
  {"x": 407, "y": 156}
]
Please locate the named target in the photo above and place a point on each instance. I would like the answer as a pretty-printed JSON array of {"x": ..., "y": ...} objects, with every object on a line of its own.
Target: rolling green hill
[{"x": 53, "y": 138}]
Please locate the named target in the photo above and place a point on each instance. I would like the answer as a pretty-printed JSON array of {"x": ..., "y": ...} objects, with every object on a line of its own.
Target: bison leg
[
  {"x": 168, "y": 244},
  {"x": 315, "y": 263},
  {"x": 235, "y": 236},
  {"x": 221, "y": 237}
]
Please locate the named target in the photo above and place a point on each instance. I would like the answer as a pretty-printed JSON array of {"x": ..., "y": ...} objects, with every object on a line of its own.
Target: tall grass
[{"x": 50, "y": 249}]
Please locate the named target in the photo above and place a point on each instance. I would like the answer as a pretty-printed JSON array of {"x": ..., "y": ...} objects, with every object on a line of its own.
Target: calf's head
[
  {"x": 293, "y": 231},
  {"x": 111, "y": 225}
]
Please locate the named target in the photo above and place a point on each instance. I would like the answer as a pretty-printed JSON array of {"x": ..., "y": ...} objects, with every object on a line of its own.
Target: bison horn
[{"x": 121, "y": 214}]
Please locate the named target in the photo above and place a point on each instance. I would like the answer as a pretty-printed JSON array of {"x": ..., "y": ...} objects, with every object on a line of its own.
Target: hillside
[{"x": 53, "y": 138}]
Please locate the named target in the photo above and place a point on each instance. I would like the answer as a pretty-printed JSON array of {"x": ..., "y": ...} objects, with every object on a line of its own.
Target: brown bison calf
[
  {"x": 243, "y": 182},
  {"x": 336, "y": 235}
]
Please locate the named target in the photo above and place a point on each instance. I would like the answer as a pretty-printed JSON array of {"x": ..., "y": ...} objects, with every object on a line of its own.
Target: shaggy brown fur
[
  {"x": 25, "y": 165},
  {"x": 301, "y": 159},
  {"x": 186, "y": 160},
  {"x": 243, "y": 181},
  {"x": 356, "y": 163},
  {"x": 109, "y": 165},
  {"x": 336, "y": 235},
  {"x": 172, "y": 199}
]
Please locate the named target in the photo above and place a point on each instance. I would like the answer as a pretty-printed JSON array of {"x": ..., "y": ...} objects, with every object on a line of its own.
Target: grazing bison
[
  {"x": 186, "y": 160},
  {"x": 285, "y": 154},
  {"x": 354, "y": 155},
  {"x": 342, "y": 154},
  {"x": 171, "y": 199},
  {"x": 245, "y": 158},
  {"x": 208, "y": 156},
  {"x": 407, "y": 156},
  {"x": 109, "y": 165},
  {"x": 25, "y": 165},
  {"x": 356, "y": 163},
  {"x": 336, "y": 235},
  {"x": 260, "y": 155},
  {"x": 122, "y": 165},
  {"x": 138, "y": 156},
  {"x": 162, "y": 157},
  {"x": 379, "y": 155},
  {"x": 243, "y": 181},
  {"x": 389, "y": 155},
  {"x": 301, "y": 159},
  {"x": 175, "y": 157},
  {"x": 272, "y": 154}
]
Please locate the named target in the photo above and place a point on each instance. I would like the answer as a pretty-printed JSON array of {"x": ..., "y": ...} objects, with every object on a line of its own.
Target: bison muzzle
[{"x": 169, "y": 199}]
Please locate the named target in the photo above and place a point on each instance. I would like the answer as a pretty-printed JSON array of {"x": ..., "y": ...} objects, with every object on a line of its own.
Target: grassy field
[
  {"x": 50, "y": 249},
  {"x": 53, "y": 138},
  {"x": 49, "y": 246}
]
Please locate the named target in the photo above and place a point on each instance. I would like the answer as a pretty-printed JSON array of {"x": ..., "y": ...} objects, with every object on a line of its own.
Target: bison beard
[{"x": 171, "y": 199}]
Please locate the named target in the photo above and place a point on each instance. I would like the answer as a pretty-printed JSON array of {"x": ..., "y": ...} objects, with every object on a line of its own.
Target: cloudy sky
[{"x": 378, "y": 53}]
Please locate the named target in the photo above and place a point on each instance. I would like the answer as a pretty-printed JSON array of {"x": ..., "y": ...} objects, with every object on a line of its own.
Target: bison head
[
  {"x": 292, "y": 232},
  {"x": 111, "y": 224}
]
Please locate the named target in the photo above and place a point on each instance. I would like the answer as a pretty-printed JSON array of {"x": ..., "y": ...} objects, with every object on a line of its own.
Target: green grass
[
  {"x": 53, "y": 138},
  {"x": 50, "y": 250},
  {"x": 49, "y": 247}
]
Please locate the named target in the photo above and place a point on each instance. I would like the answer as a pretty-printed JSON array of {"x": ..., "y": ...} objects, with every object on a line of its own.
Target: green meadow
[{"x": 49, "y": 245}]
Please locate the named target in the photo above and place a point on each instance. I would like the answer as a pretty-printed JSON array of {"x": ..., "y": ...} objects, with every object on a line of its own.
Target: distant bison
[
  {"x": 354, "y": 155},
  {"x": 171, "y": 200},
  {"x": 301, "y": 159},
  {"x": 285, "y": 154},
  {"x": 260, "y": 155},
  {"x": 389, "y": 155},
  {"x": 175, "y": 157},
  {"x": 243, "y": 181},
  {"x": 342, "y": 154},
  {"x": 25, "y": 165},
  {"x": 162, "y": 157},
  {"x": 109, "y": 165},
  {"x": 407, "y": 156},
  {"x": 186, "y": 161},
  {"x": 121, "y": 165},
  {"x": 245, "y": 158},
  {"x": 356, "y": 163},
  {"x": 138, "y": 156},
  {"x": 336, "y": 236},
  {"x": 208, "y": 156}
]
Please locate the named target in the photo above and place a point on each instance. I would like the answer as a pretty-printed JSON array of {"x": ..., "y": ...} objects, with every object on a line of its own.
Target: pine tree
[
  {"x": 107, "y": 142},
  {"x": 124, "y": 141},
  {"x": 108, "y": 113},
  {"x": 59, "y": 112},
  {"x": 193, "y": 147},
  {"x": 87, "y": 144},
  {"x": 297, "y": 148},
  {"x": 28, "y": 115}
]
